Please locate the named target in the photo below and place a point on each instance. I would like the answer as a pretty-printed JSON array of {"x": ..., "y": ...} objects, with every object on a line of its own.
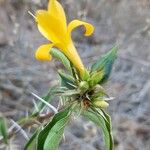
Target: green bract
[{"x": 105, "y": 64}]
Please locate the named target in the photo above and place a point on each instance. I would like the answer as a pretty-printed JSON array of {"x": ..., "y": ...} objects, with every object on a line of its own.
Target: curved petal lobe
[
  {"x": 49, "y": 26},
  {"x": 55, "y": 9},
  {"x": 43, "y": 52},
  {"x": 76, "y": 23}
]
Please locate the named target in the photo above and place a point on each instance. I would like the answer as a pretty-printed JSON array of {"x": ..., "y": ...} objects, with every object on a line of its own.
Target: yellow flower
[{"x": 53, "y": 25}]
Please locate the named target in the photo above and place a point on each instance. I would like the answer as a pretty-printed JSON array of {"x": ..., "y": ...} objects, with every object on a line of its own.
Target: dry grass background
[{"x": 125, "y": 22}]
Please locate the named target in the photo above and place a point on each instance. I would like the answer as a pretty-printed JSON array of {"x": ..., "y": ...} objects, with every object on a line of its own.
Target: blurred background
[{"x": 122, "y": 22}]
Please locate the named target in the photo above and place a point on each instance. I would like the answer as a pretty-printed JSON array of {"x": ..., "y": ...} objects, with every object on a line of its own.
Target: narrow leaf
[
  {"x": 108, "y": 120},
  {"x": 66, "y": 80},
  {"x": 55, "y": 134},
  {"x": 45, "y": 132},
  {"x": 101, "y": 122},
  {"x": 31, "y": 144},
  {"x": 108, "y": 124}
]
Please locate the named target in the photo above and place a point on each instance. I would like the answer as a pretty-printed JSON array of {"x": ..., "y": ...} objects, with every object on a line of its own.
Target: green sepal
[
  {"x": 105, "y": 64},
  {"x": 59, "y": 55},
  {"x": 95, "y": 78},
  {"x": 83, "y": 86},
  {"x": 66, "y": 80},
  {"x": 85, "y": 76},
  {"x": 98, "y": 92},
  {"x": 4, "y": 129}
]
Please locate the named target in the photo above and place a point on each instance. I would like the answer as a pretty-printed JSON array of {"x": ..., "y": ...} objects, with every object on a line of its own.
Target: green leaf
[
  {"x": 53, "y": 128},
  {"x": 108, "y": 122},
  {"x": 59, "y": 55},
  {"x": 66, "y": 80},
  {"x": 3, "y": 129},
  {"x": 102, "y": 122},
  {"x": 105, "y": 64},
  {"x": 55, "y": 134},
  {"x": 31, "y": 144}
]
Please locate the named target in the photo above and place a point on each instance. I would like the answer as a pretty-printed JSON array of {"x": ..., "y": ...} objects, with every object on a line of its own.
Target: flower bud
[
  {"x": 100, "y": 103},
  {"x": 98, "y": 92},
  {"x": 98, "y": 88},
  {"x": 95, "y": 78}
]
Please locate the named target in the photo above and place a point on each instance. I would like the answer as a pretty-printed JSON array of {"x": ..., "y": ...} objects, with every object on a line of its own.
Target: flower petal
[
  {"x": 43, "y": 52},
  {"x": 76, "y": 23},
  {"x": 74, "y": 57},
  {"x": 50, "y": 26},
  {"x": 55, "y": 9}
]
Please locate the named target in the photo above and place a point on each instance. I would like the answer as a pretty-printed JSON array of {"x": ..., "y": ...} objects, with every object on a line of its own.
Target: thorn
[
  {"x": 62, "y": 87},
  {"x": 35, "y": 106},
  {"x": 87, "y": 96},
  {"x": 19, "y": 128},
  {"x": 109, "y": 98},
  {"x": 59, "y": 104},
  {"x": 79, "y": 113},
  {"x": 47, "y": 111},
  {"x": 42, "y": 100},
  {"x": 64, "y": 138},
  {"x": 31, "y": 14},
  {"x": 72, "y": 85},
  {"x": 61, "y": 101},
  {"x": 27, "y": 113},
  {"x": 87, "y": 125},
  {"x": 11, "y": 128}
]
